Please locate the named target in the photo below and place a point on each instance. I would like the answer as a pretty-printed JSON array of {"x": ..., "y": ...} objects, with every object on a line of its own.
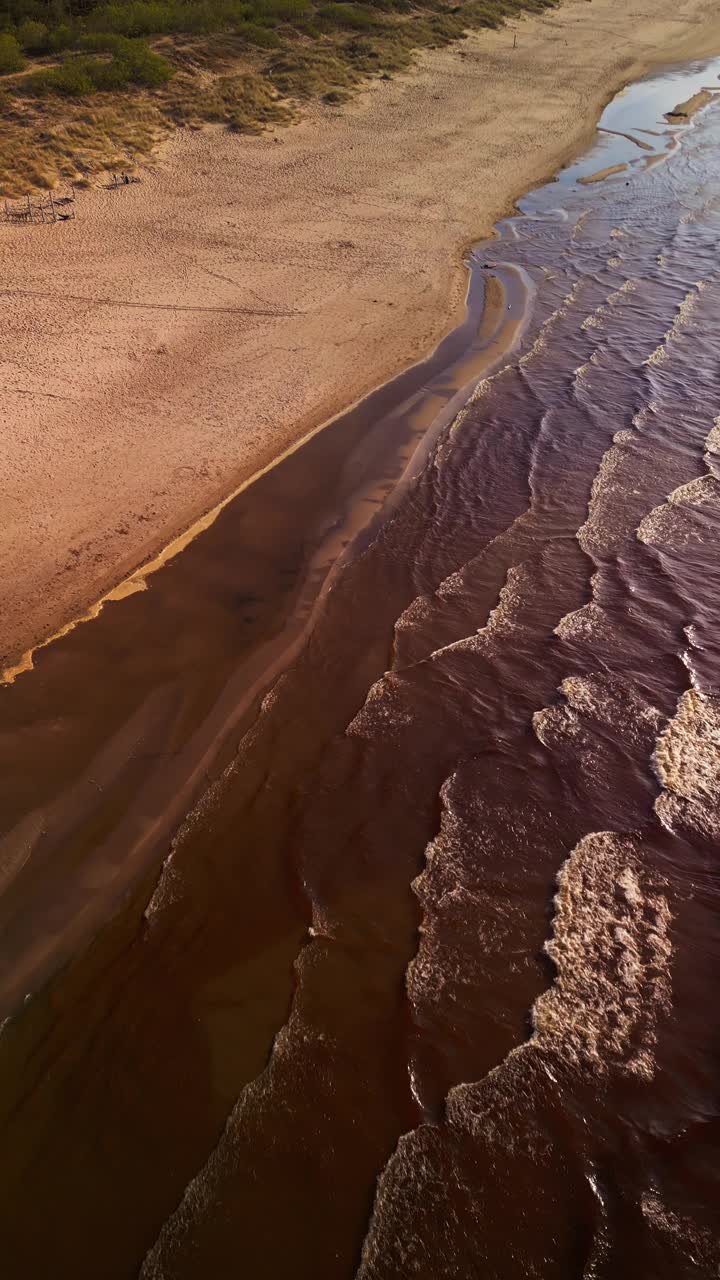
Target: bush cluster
[
  {"x": 49, "y": 26},
  {"x": 11, "y": 58},
  {"x": 320, "y": 46},
  {"x": 79, "y": 75}
]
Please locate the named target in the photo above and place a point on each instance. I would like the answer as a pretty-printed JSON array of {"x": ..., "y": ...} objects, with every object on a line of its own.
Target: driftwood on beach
[{"x": 39, "y": 208}]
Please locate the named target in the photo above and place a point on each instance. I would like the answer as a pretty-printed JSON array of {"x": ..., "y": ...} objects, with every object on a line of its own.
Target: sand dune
[{"x": 184, "y": 331}]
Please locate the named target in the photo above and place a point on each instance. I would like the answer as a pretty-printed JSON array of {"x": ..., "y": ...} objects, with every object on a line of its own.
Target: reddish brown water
[{"x": 425, "y": 987}]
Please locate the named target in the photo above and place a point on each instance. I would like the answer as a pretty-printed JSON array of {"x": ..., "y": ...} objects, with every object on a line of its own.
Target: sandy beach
[{"x": 184, "y": 331}]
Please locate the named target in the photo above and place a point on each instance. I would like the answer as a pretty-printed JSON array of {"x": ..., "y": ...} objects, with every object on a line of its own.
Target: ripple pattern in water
[{"x": 556, "y": 667}]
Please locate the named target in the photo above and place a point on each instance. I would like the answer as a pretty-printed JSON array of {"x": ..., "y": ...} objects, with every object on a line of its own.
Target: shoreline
[
  {"x": 59, "y": 550},
  {"x": 306, "y": 516},
  {"x": 490, "y": 338},
  {"x": 489, "y": 323},
  {"x": 78, "y": 776}
]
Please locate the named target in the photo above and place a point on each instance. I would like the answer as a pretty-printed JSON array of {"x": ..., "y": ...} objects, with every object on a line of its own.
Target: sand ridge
[
  {"x": 686, "y": 110},
  {"x": 602, "y": 174},
  {"x": 185, "y": 331}
]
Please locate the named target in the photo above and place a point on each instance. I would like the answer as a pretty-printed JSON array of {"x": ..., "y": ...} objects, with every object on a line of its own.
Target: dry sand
[{"x": 183, "y": 332}]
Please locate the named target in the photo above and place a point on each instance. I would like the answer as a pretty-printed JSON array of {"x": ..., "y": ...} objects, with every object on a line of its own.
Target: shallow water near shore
[
  {"x": 425, "y": 986},
  {"x": 112, "y": 730}
]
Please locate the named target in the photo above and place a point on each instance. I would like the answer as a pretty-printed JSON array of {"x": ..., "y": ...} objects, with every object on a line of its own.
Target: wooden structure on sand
[{"x": 39, "y": 208}]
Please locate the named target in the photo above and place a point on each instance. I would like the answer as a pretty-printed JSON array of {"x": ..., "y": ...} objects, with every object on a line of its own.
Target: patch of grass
[
  {"x": 189, "y": 17},
  {"x": 347, "y": 17},
  {"x": 244, "y": 102},
  {"x": 308, "y": 72},
  {"x": 44, "y": 145},
  {"x": 131, "y": 62},
  {"x": 156, "y": 64}
]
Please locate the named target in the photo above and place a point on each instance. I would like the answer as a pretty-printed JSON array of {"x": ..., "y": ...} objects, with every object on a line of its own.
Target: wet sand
[{"x": 182, "y": 333}]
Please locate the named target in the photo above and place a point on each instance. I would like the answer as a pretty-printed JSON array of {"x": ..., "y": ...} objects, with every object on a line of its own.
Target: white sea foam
[
  {"x": 444, "y": 450},
  {"x": 712, "y": 448},
  {"x": 594, "y": 1265},
  {"x": 610, "y": 699},
  {"x": 420, "y": 610},
  {"x": 612, "y": 951},
  {"x": 687, "y": 762},
  {"x": 547, "y": 326},
  {"x": 602, "y": 530},
  {"x": 590, "y": 622},
  {"x": 504, "y": 619},
  {"x": 610, "y": 516},
  {"x": 387, "y": 709},
  {"x": 581, "y": 375},
  {"x": 580, "y": 222},
  {"x": 682, "y": 319},
  {"x": 631, "y": 285},
  {"x": 385, "y": 712},
  {"x": 672, "y": 524},
  {"x": 683, "y": 1239},
  {"x": 597, "y": 699},
  {"x": 167, "y": 890},
  {"x": 597, "y": 318},
  {"x": 611, "y": 948}
]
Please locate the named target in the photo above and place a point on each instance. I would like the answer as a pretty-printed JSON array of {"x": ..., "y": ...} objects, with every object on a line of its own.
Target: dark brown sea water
[{"x": 426, "y": 985}]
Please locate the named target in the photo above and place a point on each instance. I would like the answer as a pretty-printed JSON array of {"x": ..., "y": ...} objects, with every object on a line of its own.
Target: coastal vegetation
[{"x": 90, "y": 85}]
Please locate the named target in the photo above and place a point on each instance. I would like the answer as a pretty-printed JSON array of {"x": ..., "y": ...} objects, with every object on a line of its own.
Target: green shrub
[
  {"x": 351, "y": 16},
  {"x": 141, "y": 65},
  {"x": 33, "y": 36},
  {"x": 137, "y": 18},
  {"x": 283, "y": 10},
  {"x": 71, "y": 80},
  {"x": 11, "y": 58},
  {"x": 132, "y": 63},
  {"x": 98, "y": 42},
  {"x": 261, "y": 37},
  {"x": 62, "y": 38},
  {"x": 189, "y": 17}
]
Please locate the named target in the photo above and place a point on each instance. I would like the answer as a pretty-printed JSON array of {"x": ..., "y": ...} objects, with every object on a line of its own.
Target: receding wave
[
  {"x": 611, "y": 949},
  {"x": 687, "y": 759}
]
